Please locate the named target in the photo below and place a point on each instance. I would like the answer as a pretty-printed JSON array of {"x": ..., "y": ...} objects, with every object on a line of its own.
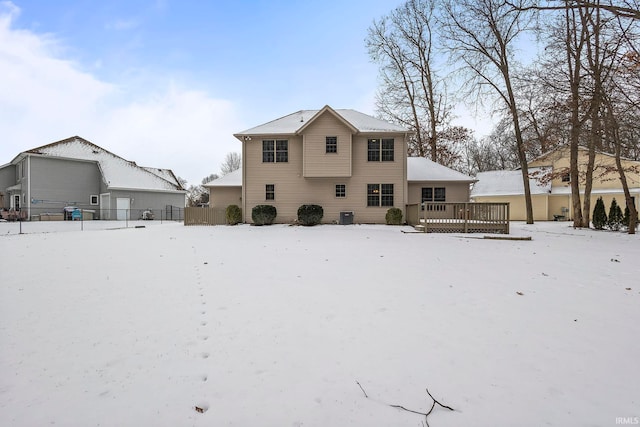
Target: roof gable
[
  {"x": 295, "y": 123},
  {"x": 330, "y": 111},
  {"x": 116, "y": 171}
]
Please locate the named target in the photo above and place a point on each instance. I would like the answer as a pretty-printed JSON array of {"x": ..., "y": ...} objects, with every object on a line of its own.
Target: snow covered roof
[
  {"x": 232, "y": 179},
  {"x": 508, "y": 183},
  {"x": 293, "y": 123},
  {"x": 166, "y": 174},
  {"x": 116, "y": 171},
  {"x": 418, "y": 169},
  {"x": 423, "y": 169}
]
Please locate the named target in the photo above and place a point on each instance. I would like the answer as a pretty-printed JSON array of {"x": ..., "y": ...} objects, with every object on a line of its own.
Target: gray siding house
[{"x": 41, "y": 182}]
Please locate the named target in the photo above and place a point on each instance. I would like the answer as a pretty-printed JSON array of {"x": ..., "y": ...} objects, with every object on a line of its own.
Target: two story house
[
  {"x": 550, "y": 184},
  {"x": 343, "y": 160},
  {"x": 75, "y": 172}
]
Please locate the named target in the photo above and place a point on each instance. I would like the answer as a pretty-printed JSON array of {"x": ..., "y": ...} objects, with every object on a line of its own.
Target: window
[
  {"x": 387, "y": 150},
  {"x": 282, "y": 151},
  {"x": 93, "y": 199},
  {"x": 437, "y": 194},
  {"x": 427, "y": 194},
  {"x": 379, "y": 194},
  {"x": 267, "y": 151},
  {"x": 275, "y": 151},
  {"x": 387, "y": 195},
  {"x": 380, "y": 150},
  {"x": 566, "y": 177},
  {"x": 373, "y": 194},
  {"x": 373, "y": 148},
  {"x": 341, "y": 190},
  {"x": 270, "y": 192},
  {"x": 332, "y": 144}
]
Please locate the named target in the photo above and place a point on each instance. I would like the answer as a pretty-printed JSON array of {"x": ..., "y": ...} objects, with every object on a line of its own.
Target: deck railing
[{"x": 460, "y": 217}]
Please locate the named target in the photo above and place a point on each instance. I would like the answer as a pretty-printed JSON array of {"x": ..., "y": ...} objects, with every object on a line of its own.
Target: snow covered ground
[{"x": 273, "y": 326}]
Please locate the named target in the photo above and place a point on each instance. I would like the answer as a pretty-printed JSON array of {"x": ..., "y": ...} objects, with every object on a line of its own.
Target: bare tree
[
  {"x": 480, "y": 35},
  {"x": 411, "y": 92},
  {"x": 623, "y": 9},
  {"x": 580, "y": 62},
  {"x": 207, "y": 179},
  {"x": 232, "y": 161}
]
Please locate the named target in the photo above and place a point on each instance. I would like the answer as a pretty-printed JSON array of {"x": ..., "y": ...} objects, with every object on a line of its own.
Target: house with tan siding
[
  {"x": 551, "y": 186},
  {"x": 343, "y": 160}
]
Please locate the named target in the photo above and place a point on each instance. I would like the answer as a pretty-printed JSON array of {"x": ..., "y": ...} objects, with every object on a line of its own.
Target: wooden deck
[{"x": 459, "y": 217}]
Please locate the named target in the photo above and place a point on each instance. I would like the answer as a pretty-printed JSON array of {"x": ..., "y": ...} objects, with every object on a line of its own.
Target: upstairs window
[
  {"x": 566, "y": 177},
  {"x": 380, "y": 150},
  {"x": 282, "y": 151},
  {"x": 387, "y": 150},
  {"x": 275, "y": 151},
  {"x": 373, "y": 150},
  {"x": 268, "y": 155},
  {"x": 332, "y": 144}
]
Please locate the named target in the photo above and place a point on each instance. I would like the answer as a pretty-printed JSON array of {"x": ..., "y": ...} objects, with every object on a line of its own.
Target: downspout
[
  {"x": 29, "y": 187},
  {"x": 243, "y": 192},
  {"x": 405, "y": 187}
]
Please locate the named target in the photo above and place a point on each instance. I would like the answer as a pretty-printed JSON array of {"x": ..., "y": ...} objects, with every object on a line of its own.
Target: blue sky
[{"x": 166, "y": 83}]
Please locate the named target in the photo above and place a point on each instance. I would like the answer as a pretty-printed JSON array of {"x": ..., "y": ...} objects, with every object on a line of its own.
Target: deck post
[
  {"x": 466, "y": 217},
  {"x": 507, "y": 218}
]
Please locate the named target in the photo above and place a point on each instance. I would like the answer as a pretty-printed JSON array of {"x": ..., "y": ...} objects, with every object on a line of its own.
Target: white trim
[{"x": 97, "y": 200}]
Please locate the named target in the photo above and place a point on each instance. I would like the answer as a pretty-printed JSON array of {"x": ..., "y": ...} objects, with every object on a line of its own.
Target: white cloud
[{"x": 45, "y": 98}]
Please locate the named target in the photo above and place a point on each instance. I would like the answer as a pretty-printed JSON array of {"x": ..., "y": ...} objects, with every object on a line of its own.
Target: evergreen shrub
[
  {"x": 599, "y": 215},
  {"x": 263, "y": 214},
  {"x": 310, "y": 214},
  {"x": 614, "y": 221},
  {"x": 393, "y": 216},
  {"x": 233, "y": 214}
]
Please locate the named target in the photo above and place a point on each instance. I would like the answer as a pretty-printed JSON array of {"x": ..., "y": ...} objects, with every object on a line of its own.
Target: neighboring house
[
  {"x": 342, "y": 160},
  {"x": 226, "y": 190},
  {"x": 75, "y": 172},
  {"x": 550, "y": 184}
]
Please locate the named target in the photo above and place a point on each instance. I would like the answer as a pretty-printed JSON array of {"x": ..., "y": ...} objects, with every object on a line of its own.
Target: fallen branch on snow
[{"x": 426, "y": 414}]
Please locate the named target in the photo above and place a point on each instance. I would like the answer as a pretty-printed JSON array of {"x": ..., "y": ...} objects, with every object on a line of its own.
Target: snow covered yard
[{"x": 273, "y": 326}]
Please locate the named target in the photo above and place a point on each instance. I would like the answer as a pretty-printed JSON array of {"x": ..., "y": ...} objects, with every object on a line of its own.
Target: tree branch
[{"x": 426, "y": 414}]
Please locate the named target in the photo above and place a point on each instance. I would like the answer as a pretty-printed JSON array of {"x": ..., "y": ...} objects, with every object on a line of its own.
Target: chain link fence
[{"x": 70, "y": 218}]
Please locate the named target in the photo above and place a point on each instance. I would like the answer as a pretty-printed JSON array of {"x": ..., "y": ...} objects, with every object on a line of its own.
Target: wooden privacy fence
[
  {"x": 459, "y": 217},
  {"x": 205, "y": 216}
]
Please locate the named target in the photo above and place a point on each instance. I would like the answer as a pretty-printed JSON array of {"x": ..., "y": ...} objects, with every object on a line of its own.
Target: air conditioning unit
[{"x": 346, "y": 218}]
